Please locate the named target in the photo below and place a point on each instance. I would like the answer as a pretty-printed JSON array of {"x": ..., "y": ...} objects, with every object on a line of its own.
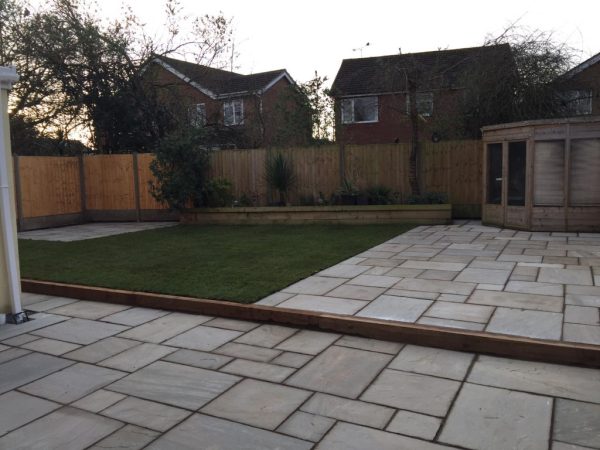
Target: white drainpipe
[{"x": 8, "y": 75}]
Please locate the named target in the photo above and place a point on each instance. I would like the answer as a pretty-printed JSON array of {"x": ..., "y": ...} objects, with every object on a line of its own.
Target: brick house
[
  {"x": 581, "y": 87},
  {"x": 241, "y": 111},
  {"x": 372, "y": 95}
]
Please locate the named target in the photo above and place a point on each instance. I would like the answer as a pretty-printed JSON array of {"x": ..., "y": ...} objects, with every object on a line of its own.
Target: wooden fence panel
[
  {"x": 145, "y": 176},
  {"x": 244, "y": 168},
  {"x": 49, "y": 185},
  {"x": 109, "y": 182}
]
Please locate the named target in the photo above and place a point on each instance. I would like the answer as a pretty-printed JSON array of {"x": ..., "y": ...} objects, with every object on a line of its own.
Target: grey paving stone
[
  {"x": 460, "y": 311},
  {"x": 433, "y": 361},
  {"x": 266, "y": 336},
  {"x": 373, "y": 345},
  {"x": 29, "y": 299},
  {"x": 354, "y": 411},
  {"x": 135, "y": 316},
  {"x": 19, "y": 409},
  {"x": 381, "y": 281},
  {"x": 101, "y": 350},
  {"x": 434, "y": 321},
  {"x": 424, "y": 265},
  {"x": 80, "y": 331},
  {"x": 88, "y": 310},
  {"x": 28, "y": 368},
  {"x": 441, "y": 286},
  {"x": 21, "y": 339},
  {"x": 155, "y": 416},
  {"x": 502, "y": 265},
  {"x": 275, "y": 299},
  {"x": 585, "y": 315},
  {"x": 346, "y": 436},
  {"x": 219, "y": 434},
  {"x": 432, "y": 274},
  {"x": 523, "y": 322},
  {"x": 50, "y": 303},
  {"x": 413, "y": 294},
  {"x": 72, "y": 383},
  {"x": 414, "y": 424},
  {"x": 163, "y": 328},
  {"x": 175, "y": 384},
  {"x": 290, "y": 359},
  {"x": 583, "y": 300},
  {"x": 380, "y": 262},
  {"x": 356, "y": 292},
  {"x": 562, "y": 446},
  {"x": 576, "y": 383},
  {"x": 248, "y": 352},
  {"x": 306, "y": 426},
  {"x": 42, "y": 320},
  {"x": 307, "y": 341},
  {"x": 257, "y": 403},
  {"x": 3, "y": 347},
  {"x": 231, "y": 324},
  {"x": 324, "y": 304},
  {"x": 64, "y": 429},
  {"x": 577, "y": 423},
  {"x": 340, "y": 371},
  {"x": 520, "y": 258},
  {"x": 588, "y": 334},
  {"x": 517, "y": 300},
  {"x": 490, "y": 276},
  {"x": 260, "y": 370},
  {"x": 315, "y": 285},
  {"x": 486, "y": 417},
  {"x": 50, "y": 346},
  {"x": 197, "y": 359},
  {"x": 455, "y": 298},
  {"x": 345, "y": 270},
  {"x": 388, "y": 307},
  {"x": 529, "y": 287},
  {"x": 203, "y": 338},
  {"x": 134, "y": 358},
  {"x": 413, "y": 392},
  {"x": 12, "y": 353},
  {"x": 565, "y": 276},
  {"x": 129, "y": 437},
  {"x": 98, "y": 400}
]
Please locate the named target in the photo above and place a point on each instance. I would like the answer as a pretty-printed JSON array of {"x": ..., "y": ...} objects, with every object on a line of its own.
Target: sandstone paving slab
[
  {"x": 517, "y": 300},
  {"x": 482, "y": 264},
  {"x": 529, "y": 287},
  {"x": 460, "y": 311},
  {"x": 491, "y": 418},
  {"x": 414, "y": 424},
  {"x": 413, "y": 294},
  {"x": 389, "y": 307},
  {"x": 447, "y": 323},
  {"x": 315, "y": 285},
  {"x": 12, "y": 353},
  {"x": 373, "y": 345},
  {"x": 382, "y": 281},
  {"x": 259, "y": 370},
  {"x": 431, "y": 274},
  {"x": 89, "y": 310},
  {"x": 452, "y": 298},
  {"x": 41, "y": 320},
  {"x": 50, "y": 303},
  {"x": 98, "y": 400},
  {"x": 587, "y": 334},
  {"x": 101, "y": 350},
  {"x": 219, "y": 434},
  {"x": 441, "y": 286},
  {"x": 275, "y": 299},
  {"x": 345, "y": 270},
  {"x": 134, "y": 358},
  {"x": 347, "y": 410},
  {"x": 266, "y": 336},
  {"x": 231, "y": 324},
  {"x": 28, "y": 368},
  {"x": 340, "y": 371},
  {"x": 577, "y": 423},
  {"x": 307, "y": 341},
  {"x": 412, "y": 392},
  {"x": 19, "y": 409},
  {"x": 424, "y": 265},
  {"x": 155, "y": 416},
  {"x": 583, "y": 300},
  {"x": 51, "y": 346},
  {"x": 257, "y": 403},
  {"x": 194, "y": 358},
  {"x": 72, "y": 383},
  {"x": 203, "y": 338},
  {"x": 380, "y": 262},
  {"x": 80, "y": 331},
  {"x": 20, "y": 339},
  {"x": 163, "y": 328},
  {"x": 129, "y": 437},
  {"x": 135, "y": 316},
  {"x": 566, "y": 276},
  {"x": 248, "y": 352},
  {"x": 324, "y": 304},
  {"x": 433, "y": 361},
  {"x": 306, "y": 426},
  {"x": 175, "y": 384},
  {"x": 355, "y": 292},
  {"x": 585, "y": 315},
  {"x": 519, "y": 322},
  {"x": 490, "y": 276},
  {"x": 290, "y": 359},
  {"x": 3, "y": 347},
  {"x": 576, "y": 383},
  {"x": 346, "y": 436},
  {"x": 64, "y": 429}
]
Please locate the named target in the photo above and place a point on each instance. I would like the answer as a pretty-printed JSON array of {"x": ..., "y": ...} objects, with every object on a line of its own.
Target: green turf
[{"x": 239, "y": 263}]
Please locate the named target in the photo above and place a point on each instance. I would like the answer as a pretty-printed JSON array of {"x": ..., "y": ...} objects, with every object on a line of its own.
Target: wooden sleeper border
[{"x": 408, "y": 333}]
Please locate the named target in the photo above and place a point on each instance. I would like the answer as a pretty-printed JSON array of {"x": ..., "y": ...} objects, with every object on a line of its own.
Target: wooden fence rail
[{"x": 63, "y": 190}]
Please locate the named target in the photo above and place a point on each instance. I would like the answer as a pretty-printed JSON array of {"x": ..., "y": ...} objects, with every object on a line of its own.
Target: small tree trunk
[{"x": 413, "y": 176}]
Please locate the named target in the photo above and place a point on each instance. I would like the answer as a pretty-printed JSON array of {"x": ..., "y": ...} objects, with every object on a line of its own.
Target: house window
[
  {"x": 233, "y": 112},
  {"x": 424, "y": 104},
  {"x": 577, "y": 102},
  {"x": 360, "y": 109},
  {"x": 197, "y": 115}
]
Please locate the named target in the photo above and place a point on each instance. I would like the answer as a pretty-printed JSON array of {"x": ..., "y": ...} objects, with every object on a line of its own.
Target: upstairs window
[
  {"x": 424, "y": 104},
  {"x": 233, "y": 112},
  {"x": 577, "y": 102},
  {"x": 360, "y": 110},
  {"x": 197, "y": 115}
]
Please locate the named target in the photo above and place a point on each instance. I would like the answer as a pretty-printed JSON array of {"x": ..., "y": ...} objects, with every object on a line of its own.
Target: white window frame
[
  {"x": 420, "y": 100},
  {"x": 350, "y": 101},
  {"x": 197, "y": 114},
  {"x": 578, "y": 102},
  {"x": 236, "y": 120}
]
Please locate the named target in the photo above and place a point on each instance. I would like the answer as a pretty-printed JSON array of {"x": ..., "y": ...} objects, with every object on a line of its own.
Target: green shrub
[
  {"x": 380, "y": 195},
  {"x": 279, "y": 175},
  {"x": 217, "y": 193}
]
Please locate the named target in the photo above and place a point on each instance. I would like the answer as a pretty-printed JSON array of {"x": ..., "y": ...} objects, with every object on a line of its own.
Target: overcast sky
[{"x": 311, "y": 35}]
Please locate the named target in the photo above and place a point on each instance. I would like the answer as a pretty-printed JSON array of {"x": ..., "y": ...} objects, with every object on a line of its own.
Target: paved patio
[
  {"x": 94, "y": 375},
  {"x": 539, "y": 285},
  {"x": 91, "y": 230}
]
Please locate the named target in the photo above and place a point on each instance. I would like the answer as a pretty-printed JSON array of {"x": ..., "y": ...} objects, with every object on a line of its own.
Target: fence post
[
  {"x": 18, "y": 192},
  {"x": 82, "y": 189},
  {"x": 136, "y": 187}
]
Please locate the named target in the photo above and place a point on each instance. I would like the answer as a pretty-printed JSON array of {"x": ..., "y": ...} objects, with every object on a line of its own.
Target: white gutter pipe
[{"x": 8, "y": 75}]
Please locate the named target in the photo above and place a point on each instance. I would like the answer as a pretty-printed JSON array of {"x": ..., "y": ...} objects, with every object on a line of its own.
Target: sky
[{"x": 308, "y": 36}]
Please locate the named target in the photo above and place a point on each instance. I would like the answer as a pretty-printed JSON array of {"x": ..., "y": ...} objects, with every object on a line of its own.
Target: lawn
[{"x": 238, "y": 263}]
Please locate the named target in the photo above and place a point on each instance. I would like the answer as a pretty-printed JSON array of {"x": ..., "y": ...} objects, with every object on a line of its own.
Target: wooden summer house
[{"x": 543, "y": 175}]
